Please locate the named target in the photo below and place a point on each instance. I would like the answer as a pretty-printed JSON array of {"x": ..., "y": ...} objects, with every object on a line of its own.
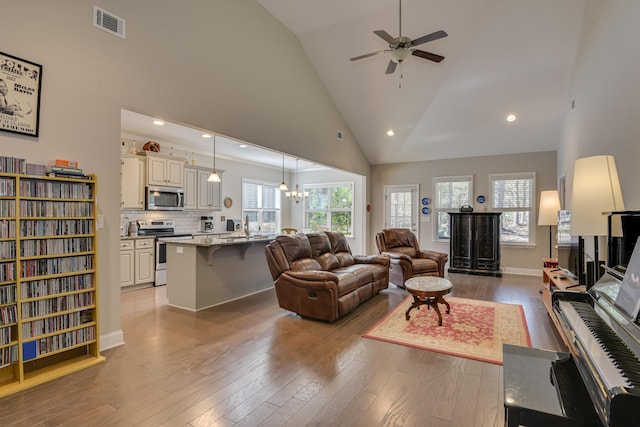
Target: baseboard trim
[
  {"x": 522, "y": 271},
  {"x": 111, "y": 340},
  {"x": 220, "y": 303}
]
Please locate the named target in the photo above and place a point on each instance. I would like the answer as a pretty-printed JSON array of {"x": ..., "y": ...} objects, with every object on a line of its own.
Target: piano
[{"x": 604, "y": 352}]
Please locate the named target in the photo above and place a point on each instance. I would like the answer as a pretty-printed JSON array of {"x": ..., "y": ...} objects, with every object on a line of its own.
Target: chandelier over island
[{"x": 296, "y": 195}]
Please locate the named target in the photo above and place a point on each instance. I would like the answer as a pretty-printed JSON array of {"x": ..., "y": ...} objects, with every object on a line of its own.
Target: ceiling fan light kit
[
  {"x": 401, "y": 47},
  {"x": 400, "y": 55}
]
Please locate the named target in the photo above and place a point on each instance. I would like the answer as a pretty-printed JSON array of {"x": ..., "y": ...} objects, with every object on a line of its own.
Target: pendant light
[
  {"x": 283, "y": 185},
  {"x": 214, "y": 177}
]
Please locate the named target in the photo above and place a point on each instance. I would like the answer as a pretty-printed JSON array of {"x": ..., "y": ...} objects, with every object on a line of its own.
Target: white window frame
[
  {"x": 532, "y": 205},
  {"x": 260, "y": 209},
  {"x": 307, "y": 187},
  {"x": 388, "y": 191},
  {"x": 454, "y": 206}
]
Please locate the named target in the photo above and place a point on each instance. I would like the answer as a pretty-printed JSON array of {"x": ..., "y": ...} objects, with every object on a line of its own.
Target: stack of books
[{"x": 65, "y": 169}]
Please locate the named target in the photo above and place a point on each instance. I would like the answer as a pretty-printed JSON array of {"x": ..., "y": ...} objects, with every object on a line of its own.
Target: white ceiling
[
  {"x": 186, "y": 139},
  {"x": 501, "y": 57}
]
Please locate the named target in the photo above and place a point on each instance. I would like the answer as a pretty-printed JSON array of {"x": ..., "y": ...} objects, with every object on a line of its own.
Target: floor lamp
[
  {"x": 548, "y": 214},
  {"x": 596, "y": 192}
]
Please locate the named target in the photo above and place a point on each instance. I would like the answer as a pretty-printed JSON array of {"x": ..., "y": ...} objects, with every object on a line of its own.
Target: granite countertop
[
  {"x": 209, "y": 241},
  {"x": 197, "y": 233}
]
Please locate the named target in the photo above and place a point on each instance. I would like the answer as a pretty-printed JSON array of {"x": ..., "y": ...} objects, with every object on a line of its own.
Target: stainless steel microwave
[{"x": 164, "y": 199}]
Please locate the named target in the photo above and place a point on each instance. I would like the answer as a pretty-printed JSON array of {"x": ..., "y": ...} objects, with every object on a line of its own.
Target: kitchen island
[{"x": 207, "y": 271}]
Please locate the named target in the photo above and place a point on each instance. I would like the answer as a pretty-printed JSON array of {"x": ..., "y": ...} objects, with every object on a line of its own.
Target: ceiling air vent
[{"x": 108, "y": 22}]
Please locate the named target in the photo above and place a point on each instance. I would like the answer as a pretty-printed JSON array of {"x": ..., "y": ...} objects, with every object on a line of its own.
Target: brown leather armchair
[{"x": 407, "y": 260}]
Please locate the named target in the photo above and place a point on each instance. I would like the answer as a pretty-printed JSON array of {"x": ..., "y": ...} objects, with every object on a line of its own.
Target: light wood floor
[{"x": 250, "y": 363}]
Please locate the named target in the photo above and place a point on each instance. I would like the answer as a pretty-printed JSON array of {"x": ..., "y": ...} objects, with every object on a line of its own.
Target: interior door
[{"x": 401, "y": 207}]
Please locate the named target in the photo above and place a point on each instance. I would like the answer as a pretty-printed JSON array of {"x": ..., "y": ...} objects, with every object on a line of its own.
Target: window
[
  {"x": 514, "y": 196},
  {"x": 450, "y": 192},
  {"x": 330, "y": 207},
  {"x": 261, "y": 202}
]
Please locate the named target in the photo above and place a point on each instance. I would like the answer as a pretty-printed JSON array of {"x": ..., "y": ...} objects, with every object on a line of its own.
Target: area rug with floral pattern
[{"x": 473, "y": 329}]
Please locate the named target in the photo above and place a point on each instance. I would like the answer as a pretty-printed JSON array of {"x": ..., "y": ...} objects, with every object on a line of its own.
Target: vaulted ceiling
[{"x": 501, "y": 57}]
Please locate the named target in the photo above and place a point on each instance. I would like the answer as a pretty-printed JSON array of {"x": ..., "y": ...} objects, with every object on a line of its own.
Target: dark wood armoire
[{"x": 475, "y": 243}]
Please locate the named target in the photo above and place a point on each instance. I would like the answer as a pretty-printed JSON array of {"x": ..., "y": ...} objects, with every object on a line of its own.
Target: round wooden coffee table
[{"x": 428, "y": 290}]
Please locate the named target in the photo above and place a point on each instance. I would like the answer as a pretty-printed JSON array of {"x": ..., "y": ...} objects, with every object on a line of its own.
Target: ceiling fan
[{"x": 401, "y": 47}]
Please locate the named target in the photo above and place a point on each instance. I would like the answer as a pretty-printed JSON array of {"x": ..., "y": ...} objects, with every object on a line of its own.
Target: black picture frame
[{"x": 20, "y": 87}]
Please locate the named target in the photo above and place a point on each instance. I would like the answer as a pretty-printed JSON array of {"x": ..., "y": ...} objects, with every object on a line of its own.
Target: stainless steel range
[{"x": 160, "y": 228}]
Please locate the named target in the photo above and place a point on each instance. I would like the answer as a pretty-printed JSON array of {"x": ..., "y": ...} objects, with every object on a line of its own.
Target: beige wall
[
  {"x": 606, "y": 96},
  {"x": 514, "y": 259}
]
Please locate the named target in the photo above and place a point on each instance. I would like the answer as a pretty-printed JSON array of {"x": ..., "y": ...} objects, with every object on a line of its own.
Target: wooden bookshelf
[
  {"x": 48, "y": 281},
  {"x": 553, "y": 279}
]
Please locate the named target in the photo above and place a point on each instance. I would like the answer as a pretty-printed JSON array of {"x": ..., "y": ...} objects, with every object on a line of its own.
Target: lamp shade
[
  {"x": 596, "y": 192},
  {"x": 549, "y": 207}
]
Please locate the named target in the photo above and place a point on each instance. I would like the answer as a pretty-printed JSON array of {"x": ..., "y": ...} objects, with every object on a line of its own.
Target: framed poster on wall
[{"x": 20, "y": 82}]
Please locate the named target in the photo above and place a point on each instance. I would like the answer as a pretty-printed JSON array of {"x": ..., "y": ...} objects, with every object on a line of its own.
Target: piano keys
[{"x": 604, "y": 344}]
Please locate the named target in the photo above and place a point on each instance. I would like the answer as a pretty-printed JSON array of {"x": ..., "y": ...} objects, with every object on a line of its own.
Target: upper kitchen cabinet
[
  {"x": 199, "y": 193},
  {"x": 164, "y": 170},
  {"x": 132, "y": 181}
]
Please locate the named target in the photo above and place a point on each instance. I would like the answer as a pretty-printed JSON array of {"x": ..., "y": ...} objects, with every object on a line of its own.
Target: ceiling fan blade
[
  {"x": 385, "y": 36},
  {"x": 427, "y": 55},
  {"x": 367, "y": 55},
  {"x": 391, "y": 67},
  {"x": 428, "y": 38}
]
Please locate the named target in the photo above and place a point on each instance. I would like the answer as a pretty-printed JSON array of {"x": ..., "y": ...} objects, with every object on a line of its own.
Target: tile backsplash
[{"x": 186, "y": 222}]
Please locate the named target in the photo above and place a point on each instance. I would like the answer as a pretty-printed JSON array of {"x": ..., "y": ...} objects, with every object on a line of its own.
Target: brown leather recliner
[{"x": 407, "y": 260}]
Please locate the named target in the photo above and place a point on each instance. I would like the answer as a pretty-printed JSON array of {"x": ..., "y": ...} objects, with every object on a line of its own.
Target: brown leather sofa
[
  {"x": 316, "y": 275},
  {"x": 407, "y": 260}
]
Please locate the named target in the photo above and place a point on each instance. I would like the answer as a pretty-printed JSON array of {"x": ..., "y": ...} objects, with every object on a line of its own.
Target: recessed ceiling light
[
  {"x": 243, "y": 145},
  {"x": 511, "y": 117},
  {"x": 158, "y": 122},
  {"x": 390, "y": 132},
  {"x": 206, "y": 135}
]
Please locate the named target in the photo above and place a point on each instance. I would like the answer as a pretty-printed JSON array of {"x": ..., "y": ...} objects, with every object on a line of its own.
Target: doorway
[{"x": 401, "y": 207}]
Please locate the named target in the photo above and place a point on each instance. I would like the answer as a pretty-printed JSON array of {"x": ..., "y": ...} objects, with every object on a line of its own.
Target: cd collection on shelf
[
  {"x": 13, "y": 165},
  {"x": 48, "y": 288}
]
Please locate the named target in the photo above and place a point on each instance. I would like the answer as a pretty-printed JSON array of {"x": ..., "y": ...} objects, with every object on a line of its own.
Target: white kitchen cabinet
[
  {"x": 190, "y": 187},
  {"x": 127, "y": 264},
  {"x": 164, "y": 170},
  {"x": 209, "y": 193},
  {"x": 132, "y": 181},
  {"x": 200, "y": 194},
  {"x": 137, "y": 262},
  {"x": 145, "y": 262}
]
